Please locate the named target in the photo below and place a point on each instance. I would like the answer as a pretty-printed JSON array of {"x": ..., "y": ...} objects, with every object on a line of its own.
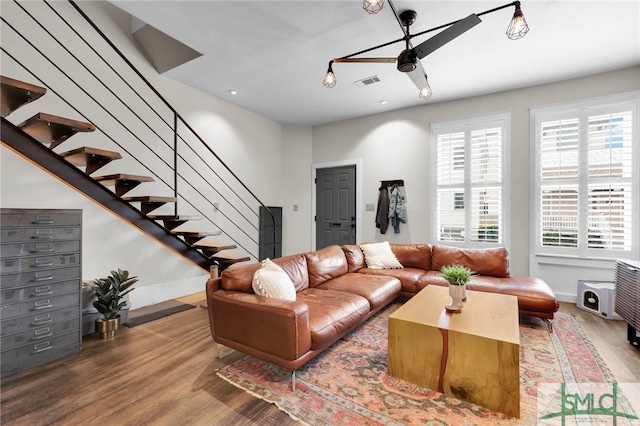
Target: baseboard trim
[
  {"x": 566, "y": 297},
  {"x": 161, "y": 292}
]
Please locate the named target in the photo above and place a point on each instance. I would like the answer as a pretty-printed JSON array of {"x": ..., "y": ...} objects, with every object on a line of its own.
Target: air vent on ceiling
[{"x": 367, "y": 81}]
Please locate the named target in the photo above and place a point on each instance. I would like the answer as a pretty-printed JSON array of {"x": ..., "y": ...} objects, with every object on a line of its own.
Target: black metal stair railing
[{"x": 92, "y": 77}]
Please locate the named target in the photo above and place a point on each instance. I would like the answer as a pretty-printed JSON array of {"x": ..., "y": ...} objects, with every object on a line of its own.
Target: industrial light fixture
[
  {"x": 425, "y": 92},
  {"x": 409, "y": 59},
  {"x": 329, "y": 78},
  {"x": 372, "y": 6},
  {"x": 518, "y": 27}
]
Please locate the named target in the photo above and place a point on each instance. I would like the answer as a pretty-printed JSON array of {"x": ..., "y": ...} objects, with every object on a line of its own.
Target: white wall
[
  {"x": 250, "y": 144},
  {"x": 296, "y": 189},
  {"x": 395, "y": 145}
]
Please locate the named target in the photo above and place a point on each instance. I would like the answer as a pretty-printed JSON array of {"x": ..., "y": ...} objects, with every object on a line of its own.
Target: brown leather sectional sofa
[{"x": 336, "y": 292}]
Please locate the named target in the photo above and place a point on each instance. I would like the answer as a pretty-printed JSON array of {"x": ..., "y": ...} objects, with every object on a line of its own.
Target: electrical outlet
[
  {"x": 295, "y": 207},
  {"x": 369, "y": 207}
]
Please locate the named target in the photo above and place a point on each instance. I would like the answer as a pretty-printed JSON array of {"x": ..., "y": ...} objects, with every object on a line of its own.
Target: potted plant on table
[
  {"x": 458, "y": 276},
  {"x": 109, "y": 293}
]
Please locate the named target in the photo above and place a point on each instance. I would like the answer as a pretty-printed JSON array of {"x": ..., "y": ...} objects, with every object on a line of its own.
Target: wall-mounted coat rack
[{"x": 389, "y": 183}]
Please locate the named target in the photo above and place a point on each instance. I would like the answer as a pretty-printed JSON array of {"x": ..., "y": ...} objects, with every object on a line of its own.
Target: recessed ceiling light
[
  {"x": 383, "y": 102},
  {"x": 233, "y": 92}
]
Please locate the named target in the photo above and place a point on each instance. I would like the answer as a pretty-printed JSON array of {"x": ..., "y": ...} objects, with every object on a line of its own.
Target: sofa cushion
[
  {"x": 408, "y": 276},
  {"x": 431, "y": 278},
  {"x": 379, "y": 290},
  {"x": 239, "y": 277},
  {"x": 380, "y": 256},
  {"x": 296, "y": 267},
  {"x": 413, "y": 255},
  {"x": 492, "y": 262},
  {"x": 355, "y": 257},
  {"x": 332, "y": 313},
  {"x": 272, "y": 281},
  {"x": 534, "y": 295},
  {"x": 325, "y": 264}
]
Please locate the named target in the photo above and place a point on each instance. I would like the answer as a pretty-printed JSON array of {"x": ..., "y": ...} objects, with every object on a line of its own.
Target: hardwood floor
[{"x": 163, "y": 373}]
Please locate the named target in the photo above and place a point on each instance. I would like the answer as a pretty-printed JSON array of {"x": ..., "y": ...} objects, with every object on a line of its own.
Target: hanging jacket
[
  {"x": 382, "y": 213},
  {"x": 397, "y": 208}
]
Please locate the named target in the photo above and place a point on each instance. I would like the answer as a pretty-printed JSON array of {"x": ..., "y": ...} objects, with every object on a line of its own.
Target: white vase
[{"x": 457, "y": 293}]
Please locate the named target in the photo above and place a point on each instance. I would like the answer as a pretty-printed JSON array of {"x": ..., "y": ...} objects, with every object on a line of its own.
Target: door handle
[{"x": 335, "y": 224}]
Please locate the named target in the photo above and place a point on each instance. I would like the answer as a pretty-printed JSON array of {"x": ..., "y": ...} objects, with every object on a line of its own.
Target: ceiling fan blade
[
  {"x": 368, "y": 60},
  {"x": 444, "y": 37},
  {"x": 418, "y": 76}
]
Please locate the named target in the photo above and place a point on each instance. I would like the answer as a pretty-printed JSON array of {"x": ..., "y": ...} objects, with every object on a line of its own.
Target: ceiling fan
[{"x": 409, "y": 59}]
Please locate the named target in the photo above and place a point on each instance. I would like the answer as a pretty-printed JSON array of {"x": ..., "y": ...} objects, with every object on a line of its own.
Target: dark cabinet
[
  {"x": 270, "y": 239},
  {"x": 40, "y": 284},
  {"x": 627, "y": 296}
]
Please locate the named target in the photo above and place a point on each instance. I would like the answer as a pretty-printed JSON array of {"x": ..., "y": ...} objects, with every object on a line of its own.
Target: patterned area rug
[{"x": 348, "y": 383}]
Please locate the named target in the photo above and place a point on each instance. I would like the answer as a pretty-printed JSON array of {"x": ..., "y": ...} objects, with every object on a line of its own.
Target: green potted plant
[
  {"x": 109, "y": 294},
  {"x": 458, "y": 276}
]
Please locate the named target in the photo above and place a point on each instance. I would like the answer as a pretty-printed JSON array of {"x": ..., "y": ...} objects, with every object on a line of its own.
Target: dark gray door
[{"x": 335, "y": 206}]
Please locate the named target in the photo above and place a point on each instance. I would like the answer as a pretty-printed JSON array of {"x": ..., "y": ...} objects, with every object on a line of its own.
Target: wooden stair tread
[
  {"x": 120, "y": 177},
  {"x": 16, "y": 93},
  {"x": 214, "y": 245},
  {"x": 151, "y": 199},
  {"x": 174, "y": 218},
  {"x": 195, "y": 232},
  {"x": 92, "y": 158},
  {"x": 173, "y": 221},
  {"x": 123, "y": 183},
  {"x": 230, "y": 258},
  {"x": 52, "y": 129}
]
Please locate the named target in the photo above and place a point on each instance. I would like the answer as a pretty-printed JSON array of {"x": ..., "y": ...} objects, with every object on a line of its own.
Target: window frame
[
  {"x": 468, "y": 125},
  {"x": 582, "y": 110}
]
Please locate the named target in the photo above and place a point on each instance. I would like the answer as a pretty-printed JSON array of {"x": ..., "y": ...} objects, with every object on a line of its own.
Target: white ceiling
[{"x": 275, "y": 53}]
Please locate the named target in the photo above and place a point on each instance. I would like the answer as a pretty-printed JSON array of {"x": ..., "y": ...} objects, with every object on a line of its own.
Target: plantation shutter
[
  {"x": 469, "y": 182},
  {"x": 486, "y": 184},
  {"x": 559, "y": 161},
  {"x": 609, "y": 168},
  {"x": 586, "y": 182},
  {"x": 450, "y": 204}
]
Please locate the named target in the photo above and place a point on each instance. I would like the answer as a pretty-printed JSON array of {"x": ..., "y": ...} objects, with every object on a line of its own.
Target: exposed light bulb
[
  {"x": 372, "y": 6},
  {"x": 329, "y": 78},
  {"x": 518, "y": 27},
  {"x": 425, "y": 92}
]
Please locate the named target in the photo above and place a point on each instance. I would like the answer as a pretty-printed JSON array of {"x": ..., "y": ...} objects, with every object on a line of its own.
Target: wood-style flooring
[{"x": 163, "y": 373}]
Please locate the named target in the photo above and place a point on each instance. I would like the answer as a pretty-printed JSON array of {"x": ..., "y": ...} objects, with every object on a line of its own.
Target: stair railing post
[{"x": 175, "y": 162}]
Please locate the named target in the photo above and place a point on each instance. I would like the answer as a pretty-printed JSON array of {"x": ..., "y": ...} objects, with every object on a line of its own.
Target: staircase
[
  {"x": 77, "y": 167},
  {"x": 171, "y": 184}
]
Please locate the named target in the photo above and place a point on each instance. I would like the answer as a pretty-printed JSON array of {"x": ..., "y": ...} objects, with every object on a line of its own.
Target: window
[
  {"x": 469, "y": 176},
  {"x": 458, "y": 200},
  {"x": 587, "y": 179}
]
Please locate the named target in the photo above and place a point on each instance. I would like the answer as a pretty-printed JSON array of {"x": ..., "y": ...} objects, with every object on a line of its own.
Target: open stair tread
[
  {"x": 230, "y": 258},
  {"x": 173, "y": 221},
  {"x": 92, "y": 158},
  {"x": 121, "y": 177},
  {"x": 123, "y": 183},
  {"x": 195, "y": 233},
  {"x": 151, "y": 199},
  {"x": 174, "y": 218},
  {"x": 214, "y": 246},
  {"x": 52, "y": 129},
  {"x": 16, "y": 93}
]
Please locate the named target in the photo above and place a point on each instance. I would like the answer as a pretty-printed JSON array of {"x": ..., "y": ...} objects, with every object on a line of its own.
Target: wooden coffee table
[{"x": 473, "y": 355}]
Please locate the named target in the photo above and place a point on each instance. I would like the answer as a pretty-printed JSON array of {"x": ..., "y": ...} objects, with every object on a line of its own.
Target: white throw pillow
[
  {"x": 380, "y": 256},
  {"x": 272, "y": 281}
]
